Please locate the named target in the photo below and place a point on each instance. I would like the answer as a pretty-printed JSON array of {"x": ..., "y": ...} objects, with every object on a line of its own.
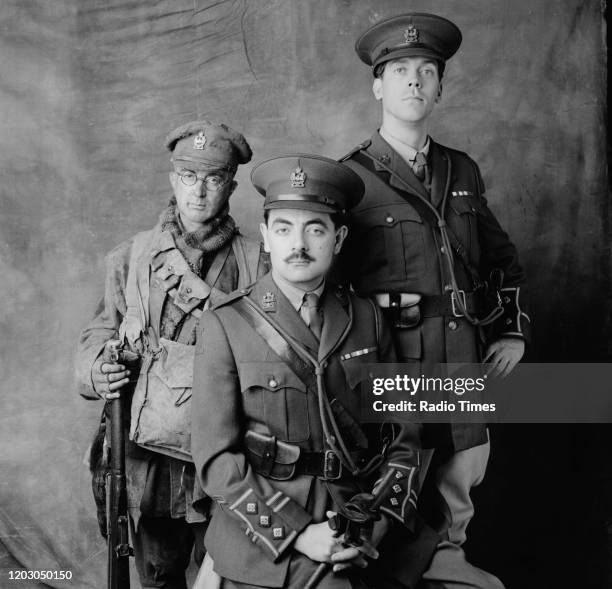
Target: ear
[
  {"x": 377, "y": 88},
  {"x": 172, "y": 177},
  {"x": 231, "y": 188},
  {"x": 263, "y": 229},
  {"x": 341, "y": 234},
  {"x": 439, "y": 96}
]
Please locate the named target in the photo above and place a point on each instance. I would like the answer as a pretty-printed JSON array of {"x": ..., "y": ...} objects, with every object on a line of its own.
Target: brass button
[
  {"x": 506, "y": 300},
  {"x": 251, "y": 507},
  {"x": 508, "y": 321},
  {"x": 394, "y": 501},
  {"x": 272, "y": 383},
  {"x": 264, "y": 521},
  {"x": 389, "y": 219},
  {"x": 397, "y": 488},
  {"x": 188, "y": 290},
  {"x": 443, "y": 249},
  {"x": 452, "y": 325}
]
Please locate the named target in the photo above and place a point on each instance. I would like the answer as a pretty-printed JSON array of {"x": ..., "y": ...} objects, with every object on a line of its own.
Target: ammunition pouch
[
  {"x": 409, "y": 316},
  {"x": 402, "y": 310},
  {"x": 161, "y": 407},
  {"x": 270, "y": 457}
]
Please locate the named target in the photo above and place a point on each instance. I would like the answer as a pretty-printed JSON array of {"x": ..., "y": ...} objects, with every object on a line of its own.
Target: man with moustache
[
  {"x": 424, "y": 243},
  {"x": 157, "y": 285},
  {"x": 285, "y": 449}
]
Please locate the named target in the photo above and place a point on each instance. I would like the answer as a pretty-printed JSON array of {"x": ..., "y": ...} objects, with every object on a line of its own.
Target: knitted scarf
[{"x": 210, "y": 238}]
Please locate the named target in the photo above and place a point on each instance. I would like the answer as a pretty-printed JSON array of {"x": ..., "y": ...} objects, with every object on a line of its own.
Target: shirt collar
[
  {"x": 294, "y": 294},
  {"x": 407, "y": 152}
]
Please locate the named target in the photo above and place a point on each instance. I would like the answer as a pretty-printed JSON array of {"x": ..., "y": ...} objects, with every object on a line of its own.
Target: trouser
[
  {"x": 454, "y": 479},
  {"x": 162, "y": 550}
]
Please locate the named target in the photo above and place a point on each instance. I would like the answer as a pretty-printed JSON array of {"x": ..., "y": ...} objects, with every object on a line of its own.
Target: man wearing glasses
[{"x": 157, "y": 285}]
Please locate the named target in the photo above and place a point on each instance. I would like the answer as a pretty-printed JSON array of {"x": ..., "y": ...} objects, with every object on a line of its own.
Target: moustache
[{"x": 299, "y": 257}]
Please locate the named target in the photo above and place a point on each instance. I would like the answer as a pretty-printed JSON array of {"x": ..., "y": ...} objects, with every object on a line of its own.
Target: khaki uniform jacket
[
  {"x": 240, "y": 384},
  {"x": 142, "y": 488},
  {"x": 391, "y": 248}
]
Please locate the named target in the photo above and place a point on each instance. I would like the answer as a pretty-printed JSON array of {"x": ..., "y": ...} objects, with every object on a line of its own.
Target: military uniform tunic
[
  {"x": 241, "y": 385},
  {"x": 393, "y": 248}
]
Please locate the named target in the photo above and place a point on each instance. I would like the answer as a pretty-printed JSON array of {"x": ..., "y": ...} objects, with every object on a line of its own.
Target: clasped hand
[
  {"x": 108, "y": 377},
  {"x": 320, "y": 543}
]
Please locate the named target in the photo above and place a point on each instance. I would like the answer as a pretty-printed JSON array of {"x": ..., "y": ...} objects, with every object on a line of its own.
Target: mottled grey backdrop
[{"x": 89, "y": 89}]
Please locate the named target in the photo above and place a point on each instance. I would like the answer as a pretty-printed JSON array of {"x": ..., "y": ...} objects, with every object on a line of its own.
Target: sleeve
[
  {"x": 106, "y": 321},
  {"x": 500, "y": 264},
  {"x": 396, "y": 489},
  {"x": 270, "y": 518}
]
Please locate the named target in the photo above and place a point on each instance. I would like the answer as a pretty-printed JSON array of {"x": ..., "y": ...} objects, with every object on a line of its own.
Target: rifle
[{"x": 119, "y": 550}]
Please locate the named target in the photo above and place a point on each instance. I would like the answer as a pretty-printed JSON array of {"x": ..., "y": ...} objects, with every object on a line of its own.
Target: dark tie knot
[
  {"x": 311, "y": 300},
  {"x": 420, "y": 165}
]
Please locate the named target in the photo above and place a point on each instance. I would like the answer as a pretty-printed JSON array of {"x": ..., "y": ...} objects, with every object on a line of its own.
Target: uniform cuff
[
  {"x": 399, "y": 494},
  {"x": 273, "y": 523},
  {"x": 514, "y": 322}
]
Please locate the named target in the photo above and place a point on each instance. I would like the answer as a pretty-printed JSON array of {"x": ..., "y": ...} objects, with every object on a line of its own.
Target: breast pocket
[
  {"x": 274, "y": 395},
  {"x": 394, "y": 241}
]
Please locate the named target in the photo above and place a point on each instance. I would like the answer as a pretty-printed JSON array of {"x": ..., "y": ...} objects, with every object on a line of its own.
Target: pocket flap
[
  {"x": 354, "y": 368},
  {"x": 389, "y": 215},
  {"x": 268, "y": 375},
  {"x": 174, "y": 366},
  {"x": 464, "y": 204}
]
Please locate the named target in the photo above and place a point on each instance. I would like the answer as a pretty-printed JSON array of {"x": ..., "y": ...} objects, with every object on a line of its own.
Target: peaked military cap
[
  {"x": 310, "y": 182},
  {"x": 204, "y": 144},
  {"x": 415, "y": 34}
]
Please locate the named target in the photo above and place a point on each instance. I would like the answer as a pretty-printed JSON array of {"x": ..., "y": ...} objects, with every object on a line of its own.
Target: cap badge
[
  {"x": 298, "y": 178},
  {"x": 199, "y": 141},
  {"x": 411, "y": 35},
  {"x": 268, "y": 301}
]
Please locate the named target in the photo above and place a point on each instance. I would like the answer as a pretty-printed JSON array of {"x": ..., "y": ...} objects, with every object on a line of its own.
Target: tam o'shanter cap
[
  {"x": 309, "y": 182},
  {"x": 204, "y": 144},
  {"x": 409, "y": 35}
]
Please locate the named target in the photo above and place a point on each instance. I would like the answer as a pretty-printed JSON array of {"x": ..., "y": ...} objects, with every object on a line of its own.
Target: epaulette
[
  {"x": 353, "y": 151},
  {"x": 233, "y": 296}
]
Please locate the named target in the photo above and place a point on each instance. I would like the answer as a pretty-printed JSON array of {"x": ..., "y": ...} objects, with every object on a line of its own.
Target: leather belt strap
[
  {"x": 442, "y": 305},
  {"x": 324, "y": 465}
]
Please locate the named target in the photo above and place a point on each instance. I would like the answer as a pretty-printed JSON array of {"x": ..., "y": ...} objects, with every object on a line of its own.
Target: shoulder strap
[
  {"x": 137, "y": 313},
  {"x": 247, "y": 258},
  {"x": 356, "y": 149}
]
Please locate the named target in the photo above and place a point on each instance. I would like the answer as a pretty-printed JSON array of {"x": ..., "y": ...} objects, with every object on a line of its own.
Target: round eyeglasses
[{"x": 211, "y": 181}]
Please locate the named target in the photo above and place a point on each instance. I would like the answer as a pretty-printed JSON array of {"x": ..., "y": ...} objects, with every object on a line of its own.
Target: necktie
[
  {"x": 313, "y": 316},
  {"x": 420, "y": 166}
]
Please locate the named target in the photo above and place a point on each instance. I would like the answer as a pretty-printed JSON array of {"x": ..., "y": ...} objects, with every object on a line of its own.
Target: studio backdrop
[{"x": 90, "y": 88}]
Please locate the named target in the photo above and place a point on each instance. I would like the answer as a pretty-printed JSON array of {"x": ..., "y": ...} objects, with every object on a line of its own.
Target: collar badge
[
  {"x": 411, "y": 35},
  {"x": 298, "y": 178},
  {"x": 199, "y": 141},
  {"x": 268, "y": 301}
]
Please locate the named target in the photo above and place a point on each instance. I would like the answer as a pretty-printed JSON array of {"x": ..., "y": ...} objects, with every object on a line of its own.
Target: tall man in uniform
[
  {"x": 281, "y": 363},
  {"x": 424, "y": 243},
  {"x": 157, "y": 285}
]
